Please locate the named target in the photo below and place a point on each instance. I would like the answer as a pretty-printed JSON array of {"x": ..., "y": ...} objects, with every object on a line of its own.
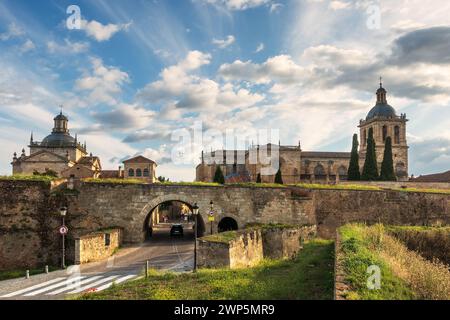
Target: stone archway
[{"x": 147, "y": 211}]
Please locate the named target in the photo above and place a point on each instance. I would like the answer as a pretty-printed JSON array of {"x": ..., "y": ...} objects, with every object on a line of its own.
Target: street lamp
[
  {"x": 195, "y": 212},
  {"x": 63, "y": 212},
  {"x": 211, "y": 213}
]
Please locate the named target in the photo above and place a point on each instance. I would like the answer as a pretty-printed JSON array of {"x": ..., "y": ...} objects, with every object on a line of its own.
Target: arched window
[
  {"x": 384, "y": 133},
  {"x": 397, "y": 134},
  {"x": 138, "y": 173},
  {"x": 146, "y": 172},
  {"x": 130, "y": 172},
  {"x": 319, "y": 170}
]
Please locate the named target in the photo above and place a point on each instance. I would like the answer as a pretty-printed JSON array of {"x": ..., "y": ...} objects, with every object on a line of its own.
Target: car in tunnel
[{"x": 176, "y": 230}]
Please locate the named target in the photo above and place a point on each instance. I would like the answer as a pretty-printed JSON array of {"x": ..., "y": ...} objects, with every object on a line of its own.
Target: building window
[
  {"x": 397, "y": 134},
  {"x": 384, "y": 133},
  {"x": 107, "y": 239},
  {"x": 364, "y": 137},
  {"x": 138, "y": 173},
  {"x": 146, "y": 173},
  {"x": 130, "y": 172},
  {"x": 319, "y": 170}
]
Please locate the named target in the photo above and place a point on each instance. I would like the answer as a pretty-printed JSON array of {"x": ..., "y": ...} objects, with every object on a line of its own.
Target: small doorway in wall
[{"x": 227, "y": 224}]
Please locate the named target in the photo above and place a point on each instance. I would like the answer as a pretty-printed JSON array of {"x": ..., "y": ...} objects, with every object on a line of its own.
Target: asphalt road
[{"x": 162, "y": 252}]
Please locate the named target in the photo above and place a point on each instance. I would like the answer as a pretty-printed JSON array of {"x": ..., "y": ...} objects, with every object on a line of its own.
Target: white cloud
[
  {"x": 259, "y": 48},
  {"x": 238, "y": 4},
  {"x": 101, "y": 32},
  {"x": 181, "y": 91},
  {"x": 279, "y": 69},
  {"x": 102, "y": 82},
  {"x": 13, "y": 31},
  {"x": 27, "y": 46},
  {"x": 223, "y": 43},
  {"x": 275, "y": 7},
  {"x": 68, "y": 47},
  {"x": 339, "y": 5}
]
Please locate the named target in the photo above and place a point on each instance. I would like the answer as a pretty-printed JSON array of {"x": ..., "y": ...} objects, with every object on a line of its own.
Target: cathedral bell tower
[
  {"x": 61, "y": 124},
  {"x": 384, "y": 121}
]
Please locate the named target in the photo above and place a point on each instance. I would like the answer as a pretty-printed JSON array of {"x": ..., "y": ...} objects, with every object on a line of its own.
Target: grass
[
  {"x": 336, "y": 187},
  {"x": 195, "y": 183},
  {"x": 20, "y": 273},
  {"x": 20, "y": 177},
  {"x": 405, "y": 275},
  {"x": 223, "y": 237},
  {"x": 272, "y": 226},
  {"x": 431, "y": 242},
  {"x": 114, "y": 181},
  {"x": 309, "y": 276}
]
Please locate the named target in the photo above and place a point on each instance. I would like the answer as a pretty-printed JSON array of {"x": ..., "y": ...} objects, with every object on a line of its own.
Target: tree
[
  {"x": 218, "y": 176},
  {"x": 387, "y": 167},
  {"x": 163, "y": 179},
  {"x": 279, "y": 177},
  {"x": 258, "y": 178},
  {"x": 370, "y": 169},
  {"x": 353, "y": 169}
]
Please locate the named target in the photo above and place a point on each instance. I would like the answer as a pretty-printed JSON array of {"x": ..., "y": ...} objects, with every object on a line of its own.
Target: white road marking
[
  {"x": 69, "y": 280},
  {"x": 16, "y": 293},
  {"x": 93, "y": 285},
  {"x": 120, "y": 280},
  {"x": 73, "y": 286}
]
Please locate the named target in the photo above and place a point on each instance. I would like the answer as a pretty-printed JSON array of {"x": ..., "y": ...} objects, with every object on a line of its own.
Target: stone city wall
[
  {"x": 287, "y": 242},
  {"x": 251, "y": 246},
  {"x": 29, "y": 211},
  {"x": 96, "y": 247}
]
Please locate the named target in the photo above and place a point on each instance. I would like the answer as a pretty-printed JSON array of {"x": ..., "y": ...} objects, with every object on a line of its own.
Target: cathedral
[
  {"x": 61, "y": 155},
  {"x": 313, "y": 166}
]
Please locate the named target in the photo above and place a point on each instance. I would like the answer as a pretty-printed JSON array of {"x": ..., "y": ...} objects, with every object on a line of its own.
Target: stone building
[
  {"x": 313, "y": 166},
  {"x": 385, "y": 123},
  {"x": 58, "y": 153},
  {"x": 140, "y": 168}
]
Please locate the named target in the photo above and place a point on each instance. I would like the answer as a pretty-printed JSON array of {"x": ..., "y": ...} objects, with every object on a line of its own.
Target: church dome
[
  {"x": 58, "y": 139},
  {"x": 381, "y": 110}
]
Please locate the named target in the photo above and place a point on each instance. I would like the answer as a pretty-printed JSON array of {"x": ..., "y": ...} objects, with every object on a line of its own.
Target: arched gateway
[{"x": 149, "y": 209}]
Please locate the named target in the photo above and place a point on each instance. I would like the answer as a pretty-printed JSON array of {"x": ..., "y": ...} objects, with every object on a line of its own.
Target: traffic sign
[
  {"x": 211, "y": 218},
  {"x": 63, "y": 230}
]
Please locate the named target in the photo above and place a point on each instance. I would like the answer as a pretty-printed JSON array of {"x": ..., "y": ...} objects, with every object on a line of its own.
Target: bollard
[
  {"x": 146, "y": 269},
  {"x": 27, "y": 274},
  {"x": 46, "y": 269}
]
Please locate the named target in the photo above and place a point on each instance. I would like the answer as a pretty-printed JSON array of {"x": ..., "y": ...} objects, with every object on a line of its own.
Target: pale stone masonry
[{"x": 97, "y": 246}]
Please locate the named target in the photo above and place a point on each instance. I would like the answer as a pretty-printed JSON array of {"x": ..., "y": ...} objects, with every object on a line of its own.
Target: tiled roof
[
  {"x": 139, "y": 159},
  {"x": 437, "y": 177},
  {"x": 109, "y": 174},
  {"x": 319, "y": 154},
  {"x": 88, "y": 160},
  {"x": 237, "y": 178}
]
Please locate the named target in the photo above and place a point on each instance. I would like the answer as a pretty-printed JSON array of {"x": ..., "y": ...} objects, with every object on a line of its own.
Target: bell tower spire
[
  {"x": 381, "y": 93},
  {"x": 60, "y": 123}
]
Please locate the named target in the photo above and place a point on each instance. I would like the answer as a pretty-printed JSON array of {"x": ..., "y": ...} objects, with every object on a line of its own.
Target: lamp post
[
  {"x": 63, "y": 212},
  {"x": 195, "y": 212},
  {"x": 211, "y": 212}
]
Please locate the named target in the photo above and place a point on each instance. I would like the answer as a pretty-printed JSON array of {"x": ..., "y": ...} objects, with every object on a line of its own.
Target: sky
[{"x": 137, "y": 77}]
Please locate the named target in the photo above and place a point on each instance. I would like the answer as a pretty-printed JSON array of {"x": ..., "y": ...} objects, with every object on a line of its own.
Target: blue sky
[{"x": 139, "y": 71}]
